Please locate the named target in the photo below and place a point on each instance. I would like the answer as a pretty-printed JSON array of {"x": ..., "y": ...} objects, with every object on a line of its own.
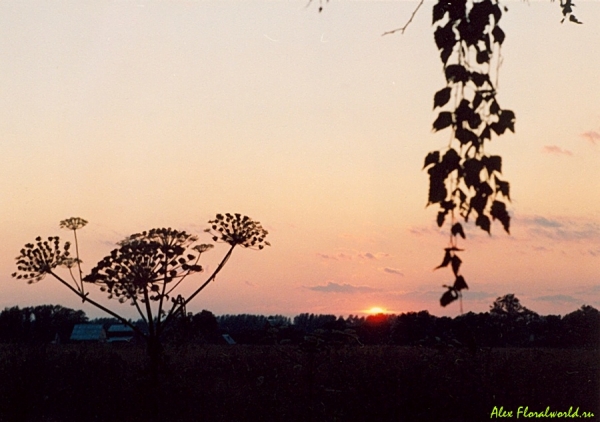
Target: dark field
[{"x": 283, "y": 383}]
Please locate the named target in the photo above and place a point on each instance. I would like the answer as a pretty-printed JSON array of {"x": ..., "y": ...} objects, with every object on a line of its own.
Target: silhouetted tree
[
  {"x": 39, "y": 324},
  {"x": 105, "y": 322},
  {"x": 550, "y": 332},
  {"x": 311, "y": 322},
  {"x": 376, "y": 329},
  {"x": 52, "y": 320},
  {"x": 413, "y": 327},
  {"x": 244, "y": 328},
  {"x": 509, "y": 305},
  {"x": 513, "y": 320},
  {"x": 15, "y": 325},
  {"x": 582, "y": 328},
  {"x": 205, "y": 323},
  {"x": 464, "y": 180}
]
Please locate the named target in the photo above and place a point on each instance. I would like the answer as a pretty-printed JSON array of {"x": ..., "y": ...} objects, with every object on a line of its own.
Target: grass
[{"x": 283, "y": 383}]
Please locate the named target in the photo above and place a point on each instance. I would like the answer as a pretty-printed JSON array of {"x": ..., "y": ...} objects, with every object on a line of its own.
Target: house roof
[
  {"x": 120, "y": 333},
  {"x": 120, "y": 328},
  {"x": 120, "y": 339},
  {"x": 88, "y": 332}
]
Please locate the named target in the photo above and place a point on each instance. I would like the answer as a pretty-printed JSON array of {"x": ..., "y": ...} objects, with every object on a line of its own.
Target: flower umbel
[
  {"x": 37, "y": 260},
  {"x": 163, "y": 236},
  {"x": 237, "y": 229},
  {"x": 144, "y": 264},
  {"x": 73, "y": 223}
]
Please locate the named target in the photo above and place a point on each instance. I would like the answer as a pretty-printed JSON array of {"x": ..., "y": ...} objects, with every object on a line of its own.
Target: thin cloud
[
  {"x": 589, "y": 290},
  {"x": 352, "y": 256},
  {"x": 393, "y": 271},
  {"x": 341, "y": 256},
  {"x": 562, "y": 228},
  {"x": 594, "y": 252},
  {"x": 558, "y": 299},
  {"x": 542, "y": 222},
  {"x": 480, "y": 296},
  {"x": 419, "y": 231},
  {"x": 592, "y": 136},
  {"x": 331, "y": 287},
  {"x": 373, "y": 256},
  {"x": 433, "y": 296},
  {"x": 553, "y": 149}
]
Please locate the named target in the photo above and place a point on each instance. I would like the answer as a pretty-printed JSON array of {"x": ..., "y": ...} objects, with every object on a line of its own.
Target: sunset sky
[{"x": 142, "y": 114}]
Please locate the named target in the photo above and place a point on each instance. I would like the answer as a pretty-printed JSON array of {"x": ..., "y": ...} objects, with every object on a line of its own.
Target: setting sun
[{"x": 376, "y": 310}]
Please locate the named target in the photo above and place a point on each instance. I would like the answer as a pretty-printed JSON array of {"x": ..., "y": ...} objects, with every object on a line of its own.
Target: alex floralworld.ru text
[{"x": 524, "y": 412}]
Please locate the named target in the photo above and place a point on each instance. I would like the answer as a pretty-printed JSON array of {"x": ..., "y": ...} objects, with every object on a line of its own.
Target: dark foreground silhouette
[
  {"x": 408, "y": 367},
  {"x": 101, "y": 382}
]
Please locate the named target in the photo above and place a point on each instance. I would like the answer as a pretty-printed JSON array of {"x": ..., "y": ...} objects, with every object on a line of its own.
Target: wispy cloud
[
  {"x": 541, "y": 249},
  {"x": 419, "y": 231},
  {"x": 326, "y": 256},
  {"x": 560, "y": 228},
  {"x": 592, "y": 136},
  {"x": 586, "y": 291},
  {"x": 433, "y": 296},
  {"x": 558, "y": 299},
  {"x": 331, "y": 287},
  {"x": 594, "y": 252},
  {"x": 392, "y": 271},
  {"x": 374, "y": 256},
  {"x": 554, "y": 149},
  {"x": 542, "y": 222},
  {"x": 352, "y": 256},
  {"x": 340, "y": 256},
  {"x": 479, "y": 295}
]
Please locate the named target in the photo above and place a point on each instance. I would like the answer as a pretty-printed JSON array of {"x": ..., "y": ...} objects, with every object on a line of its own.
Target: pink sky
[{"x": 145, "y": 114}]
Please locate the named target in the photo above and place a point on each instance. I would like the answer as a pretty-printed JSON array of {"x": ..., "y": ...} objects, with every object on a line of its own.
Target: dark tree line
[
  {"x": 38, "y": 324},
  {"x": 507, "y": 324}
]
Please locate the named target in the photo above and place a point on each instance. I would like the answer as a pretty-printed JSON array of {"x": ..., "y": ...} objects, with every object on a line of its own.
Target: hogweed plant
[
  {"x": 75, "y": 223},
  {"x": 145, "y": 270}
]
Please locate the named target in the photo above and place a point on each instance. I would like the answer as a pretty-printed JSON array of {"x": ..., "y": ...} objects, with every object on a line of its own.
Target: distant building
[
  {"x": 120, "y": 333},
  {"x": 228, "y": 339},
  {"x": 88, "y": 333}
]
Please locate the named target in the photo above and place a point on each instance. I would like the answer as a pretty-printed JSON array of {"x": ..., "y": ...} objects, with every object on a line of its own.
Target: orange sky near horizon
[{"x": 145, "y": 114}]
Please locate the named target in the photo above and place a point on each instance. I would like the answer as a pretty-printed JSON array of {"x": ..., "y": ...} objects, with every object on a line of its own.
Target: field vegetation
[
  {"x": 407, "y": 367},
  {"x": 102, "y": 382}
]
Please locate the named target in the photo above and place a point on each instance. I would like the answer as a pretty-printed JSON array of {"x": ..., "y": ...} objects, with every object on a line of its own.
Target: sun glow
[{"x": 376, "y": 310}]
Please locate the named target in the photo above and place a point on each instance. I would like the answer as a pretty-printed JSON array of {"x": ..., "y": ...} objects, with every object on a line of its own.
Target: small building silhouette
[
  {"x": 228, "y": 339},
  {"x": 120, "y": 333},
  {"x": 88, "y": 333}
]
